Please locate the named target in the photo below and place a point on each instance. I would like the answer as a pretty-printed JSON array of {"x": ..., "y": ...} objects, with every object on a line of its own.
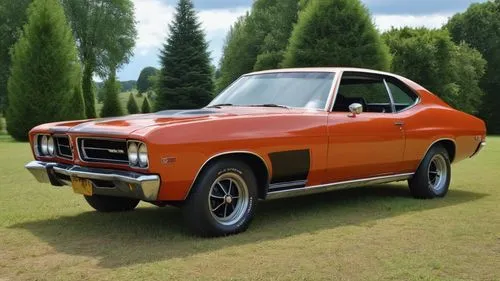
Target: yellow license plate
[{"x": 82, "y": 186}]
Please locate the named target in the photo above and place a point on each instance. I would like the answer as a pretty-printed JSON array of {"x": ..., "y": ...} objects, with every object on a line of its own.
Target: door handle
[{"x": 399, "y": 123}]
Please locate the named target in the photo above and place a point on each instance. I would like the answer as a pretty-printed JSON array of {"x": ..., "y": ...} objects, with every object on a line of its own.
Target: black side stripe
[{"x": 290, "y": 166}]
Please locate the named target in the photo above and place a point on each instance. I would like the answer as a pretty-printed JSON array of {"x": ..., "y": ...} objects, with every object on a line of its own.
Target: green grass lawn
[{"x": 374, "y": 233}]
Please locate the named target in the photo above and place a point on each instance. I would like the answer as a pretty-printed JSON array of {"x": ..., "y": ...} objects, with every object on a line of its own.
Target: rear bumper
[
  {"x": 479, "y": 148},
  {"x": 105, "y": 181}
]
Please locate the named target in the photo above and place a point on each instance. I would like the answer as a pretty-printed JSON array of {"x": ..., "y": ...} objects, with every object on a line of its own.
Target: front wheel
[
  {"x": 109, "y": 204},
  {"x": 223, "y": 199},
  {"x": 433, "y": 176}
]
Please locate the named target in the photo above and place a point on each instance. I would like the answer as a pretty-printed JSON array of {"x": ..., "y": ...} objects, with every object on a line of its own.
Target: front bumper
[{"x": 105, "y": 181}]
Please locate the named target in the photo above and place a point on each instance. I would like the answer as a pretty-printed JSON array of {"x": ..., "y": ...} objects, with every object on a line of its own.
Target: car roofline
[{"x": 412, "y": 83}]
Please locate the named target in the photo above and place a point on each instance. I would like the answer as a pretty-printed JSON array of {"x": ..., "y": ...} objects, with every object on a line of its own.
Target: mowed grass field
[{"x": 371, "y": 233}]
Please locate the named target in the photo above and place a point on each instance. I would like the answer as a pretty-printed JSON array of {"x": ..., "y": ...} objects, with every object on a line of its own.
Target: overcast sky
[{"x": 217, "y": 16}]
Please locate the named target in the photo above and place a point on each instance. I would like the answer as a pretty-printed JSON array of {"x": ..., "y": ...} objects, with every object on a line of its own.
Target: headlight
[
  {"x": 44, "y": 145},
  {"x": 50, "y": 146},
  {"x": 143, "y": 155},
  {"x": 132, "y": 153}
]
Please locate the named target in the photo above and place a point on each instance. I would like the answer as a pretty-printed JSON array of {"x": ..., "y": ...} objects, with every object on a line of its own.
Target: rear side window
[
  {"x": 367, "y": 90},
  {"x": 403, "y": 96}
]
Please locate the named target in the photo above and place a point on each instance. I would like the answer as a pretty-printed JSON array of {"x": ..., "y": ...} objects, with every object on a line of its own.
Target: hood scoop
[{"x": 189, "y": 112}]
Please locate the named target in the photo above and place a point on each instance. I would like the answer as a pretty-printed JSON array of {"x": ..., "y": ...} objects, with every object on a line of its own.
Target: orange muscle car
[{"x": 271, "y": 134}]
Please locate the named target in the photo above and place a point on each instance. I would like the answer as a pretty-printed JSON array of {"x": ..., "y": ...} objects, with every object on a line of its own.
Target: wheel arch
[
  {"x": 253, "y": 160},
  {"x": 448, "y": 143}
]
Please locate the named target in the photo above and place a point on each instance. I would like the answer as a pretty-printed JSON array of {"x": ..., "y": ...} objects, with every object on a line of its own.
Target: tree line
[
  {"x": 55, "y": 49},
  {"x": 459, "y": 62}
]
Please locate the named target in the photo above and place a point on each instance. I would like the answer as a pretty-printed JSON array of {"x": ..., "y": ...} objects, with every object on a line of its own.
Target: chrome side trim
[
  {"x": 290, "y": 184},
  {"x": 335, "y": 186},
  {"x": 226, "y": 153},
  {"x": 432, "y": 144},
  {"x": 125, "y": 184}
]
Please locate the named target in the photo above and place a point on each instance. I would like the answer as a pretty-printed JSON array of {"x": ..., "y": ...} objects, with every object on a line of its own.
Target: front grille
[
  {"x": 103, "y": 150},
  {"x": 63, "y": 147}
]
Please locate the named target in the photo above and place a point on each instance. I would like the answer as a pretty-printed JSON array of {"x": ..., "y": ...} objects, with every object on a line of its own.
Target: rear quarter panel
[{"x": 433, "y": 120}]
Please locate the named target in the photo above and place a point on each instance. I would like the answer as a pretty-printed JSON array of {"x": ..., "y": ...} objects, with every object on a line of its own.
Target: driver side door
[{"x": 368, "y": 144}]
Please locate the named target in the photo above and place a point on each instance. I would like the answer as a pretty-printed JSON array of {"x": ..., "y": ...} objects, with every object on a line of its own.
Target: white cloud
[
  {"x": 153, "y": 17},
  {"x": 385, "y": 22}
]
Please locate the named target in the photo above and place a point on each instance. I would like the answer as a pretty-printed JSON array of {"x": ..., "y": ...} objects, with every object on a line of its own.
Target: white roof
[{"x": 322, "y": 69}]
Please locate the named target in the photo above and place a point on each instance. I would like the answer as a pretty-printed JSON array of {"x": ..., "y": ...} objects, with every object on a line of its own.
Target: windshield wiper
[
  {"x": 269, "y": 105},
  {"x": 220, "y": 105}
]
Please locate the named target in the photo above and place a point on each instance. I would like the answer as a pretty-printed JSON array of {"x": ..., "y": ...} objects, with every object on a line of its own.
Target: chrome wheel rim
[
  {"x": 437, "y": 172},
  {"x": 228, "y": 198}
]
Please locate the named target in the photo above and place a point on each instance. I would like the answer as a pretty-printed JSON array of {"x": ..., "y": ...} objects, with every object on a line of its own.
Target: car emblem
[{"x": 116, "y": 151}]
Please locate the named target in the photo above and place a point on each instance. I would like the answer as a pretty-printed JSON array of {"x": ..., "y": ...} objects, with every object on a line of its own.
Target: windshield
[{"x": 291, "y": 89}]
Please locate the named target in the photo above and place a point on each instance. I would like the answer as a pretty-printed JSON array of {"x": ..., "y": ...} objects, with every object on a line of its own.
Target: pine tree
[
  {"x": 111, "y": 107},
  {"x": 132, "y": 106},
  {"x": 336, "y": 33},
  {"x": 146, "y": 108},
  {"x": 44, "y": 71},
  {"x": 185, "y": 79}
]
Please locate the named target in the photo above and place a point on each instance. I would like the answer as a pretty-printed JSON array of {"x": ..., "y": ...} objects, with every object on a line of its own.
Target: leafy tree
[
  {"x": 239, "y": 54},
  {"x": 146, "y": 108},
  {"x": 431, "y": 58},
  {"x": 185, "y": 78},
  {"x": 282, "y": 17},
  {"x": 144, "y": 82},
  {"x": 44, "y": 71},
  {"x": 132, "y": 106},
  {"x": 479, "y": 27},
  {"x": 257, "y": 40},
  {"x": 111, "y": 107},
  {"x": 12, "y": 18},
  {"x": 105, "y": 31},
  {"x": 336, "y": 33}
]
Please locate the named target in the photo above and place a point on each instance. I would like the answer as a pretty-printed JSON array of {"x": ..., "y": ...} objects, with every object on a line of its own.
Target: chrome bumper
[
  {"x": 479, "y": 148},
  {"x": 105, "y": 181}
]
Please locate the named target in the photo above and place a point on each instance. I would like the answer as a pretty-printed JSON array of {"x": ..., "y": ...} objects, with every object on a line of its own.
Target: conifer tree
[
  {"x": 185, "y": 80},
  {"x": 132, "y": 106},
  {"x": 111, "y": 107},
  {"x": 44, "y": 71},
  {"x": 146, "y": 108}
]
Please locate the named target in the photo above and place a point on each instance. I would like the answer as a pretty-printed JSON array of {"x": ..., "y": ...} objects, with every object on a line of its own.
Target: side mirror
[{"x": 355, "y": 109}]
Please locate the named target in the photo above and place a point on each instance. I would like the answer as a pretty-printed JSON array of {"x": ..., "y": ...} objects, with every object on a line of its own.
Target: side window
[
  {"x": 370, "y": 92},
  {"x": 403, "y": 97}
]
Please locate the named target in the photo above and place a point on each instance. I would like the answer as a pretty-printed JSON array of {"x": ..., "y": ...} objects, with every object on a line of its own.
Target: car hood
[{"x": 128, "y": 124}]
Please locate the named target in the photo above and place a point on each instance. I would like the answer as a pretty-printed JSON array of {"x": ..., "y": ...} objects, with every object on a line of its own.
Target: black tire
[
  {"x": 425, "y": 184},
  {"x": 197, "y": 210},
  {"x": 107, "y": 204}
]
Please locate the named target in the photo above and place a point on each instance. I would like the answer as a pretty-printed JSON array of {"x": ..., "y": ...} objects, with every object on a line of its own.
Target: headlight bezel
[
  {"x": 138, "y": 163},
  {"x": 44, "y": 145}
]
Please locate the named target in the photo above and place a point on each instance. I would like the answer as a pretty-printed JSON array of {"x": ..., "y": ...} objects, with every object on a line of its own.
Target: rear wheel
[
  {"x": 223, "y": 199},
  {"x": 432, "y": 178},
  {"x": 108, "y": 204}
]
